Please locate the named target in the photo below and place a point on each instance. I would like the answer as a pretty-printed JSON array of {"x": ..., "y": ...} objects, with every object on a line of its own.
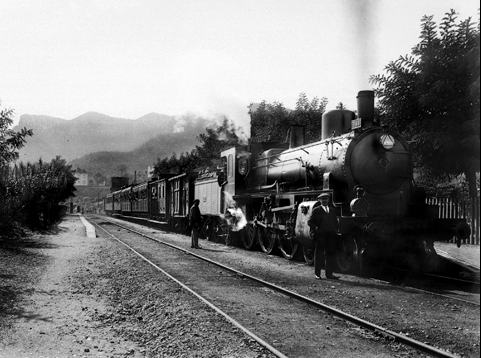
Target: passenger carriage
[
  {"x": 139, "y": 200},
  {"x": 159, "y": 198},
  {"x": 126, "y": 200},
  {"x": 109, "y": 203},
  {"x": 181, "y": 197}
]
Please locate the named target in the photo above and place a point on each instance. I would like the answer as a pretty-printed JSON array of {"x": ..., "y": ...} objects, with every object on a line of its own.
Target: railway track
[
  {"x": 461, "y": 290},
  {"x": 377, "y": 331},
  {"x": 466, "y": 291}
]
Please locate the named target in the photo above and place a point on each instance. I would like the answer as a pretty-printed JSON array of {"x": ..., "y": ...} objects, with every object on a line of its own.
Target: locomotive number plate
[{"x": 356, "y": 123}]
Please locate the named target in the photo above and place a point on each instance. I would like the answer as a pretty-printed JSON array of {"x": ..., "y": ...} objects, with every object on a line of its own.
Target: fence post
[{"x": 460, "y": 208}]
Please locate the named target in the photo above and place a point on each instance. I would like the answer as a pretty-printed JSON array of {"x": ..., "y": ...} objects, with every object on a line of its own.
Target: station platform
[
  {"x": 466, "y": 255},
  {"x": 89, "y": 228}
]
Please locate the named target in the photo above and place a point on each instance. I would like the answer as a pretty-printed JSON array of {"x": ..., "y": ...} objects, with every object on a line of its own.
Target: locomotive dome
[{"x": 336, "y": 123}]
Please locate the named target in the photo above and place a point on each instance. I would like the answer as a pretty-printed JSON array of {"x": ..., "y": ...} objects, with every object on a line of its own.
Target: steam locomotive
[{"x": 263, "y": 194}]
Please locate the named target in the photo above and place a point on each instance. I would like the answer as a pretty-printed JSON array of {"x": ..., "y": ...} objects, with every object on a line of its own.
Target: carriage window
[
  {"x": 176, "y": 196},
  {"x": 230, "y": 166}
]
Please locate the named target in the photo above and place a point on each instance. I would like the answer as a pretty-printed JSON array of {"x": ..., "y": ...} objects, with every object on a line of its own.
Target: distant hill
[
  {"x": 162, "y": 146},
  {"x": 88, "y": 133},
  {"x": 98, "y": 143}
]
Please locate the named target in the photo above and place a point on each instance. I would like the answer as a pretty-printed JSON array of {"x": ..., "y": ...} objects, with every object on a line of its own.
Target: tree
[
  {"x": 10, "y": 141},
  {"x": 433, "y": 98},
  {"x": 62, "y": 180},
  {"x": 33, "y": 192},
  {"x": 271, "y": 122},
  {"x": 213, "y": 141},
  {"x": 29, "y": 193},
  {"x": 122, "y": 169},
  {"x": 100, "y": 178},
  {"x": 309, "y": 115}
]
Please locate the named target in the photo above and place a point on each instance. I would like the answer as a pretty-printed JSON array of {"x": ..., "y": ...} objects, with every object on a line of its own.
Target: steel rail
[
  {"x": 215, "y": 308},
  {"x": 458, "y": 281},
  {"x": 446, "y": 278},
  {"x": 400, "y": 338},
  {"x": 432, "y": 293}
]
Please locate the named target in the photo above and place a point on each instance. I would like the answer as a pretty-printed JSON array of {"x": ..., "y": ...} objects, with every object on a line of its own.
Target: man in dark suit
[
  {"x": 323, "y": 228},
  {"x": 195, "y": 220}
]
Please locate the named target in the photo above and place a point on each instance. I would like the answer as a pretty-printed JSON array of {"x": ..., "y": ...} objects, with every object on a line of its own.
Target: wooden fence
[{"x": 456, "y": 208}]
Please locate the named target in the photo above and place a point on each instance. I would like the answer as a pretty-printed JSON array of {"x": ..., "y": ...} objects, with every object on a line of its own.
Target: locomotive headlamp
[
  {"x": 243, "y": 166},
  {"x": 387, "y": 141}
]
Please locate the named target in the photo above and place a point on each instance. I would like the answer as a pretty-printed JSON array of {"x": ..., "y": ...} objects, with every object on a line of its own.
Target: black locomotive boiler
[{"x": 367, "y": 169}]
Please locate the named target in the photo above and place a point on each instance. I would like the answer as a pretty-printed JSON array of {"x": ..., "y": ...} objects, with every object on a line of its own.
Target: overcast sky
[{"x": 125, "y": 59}]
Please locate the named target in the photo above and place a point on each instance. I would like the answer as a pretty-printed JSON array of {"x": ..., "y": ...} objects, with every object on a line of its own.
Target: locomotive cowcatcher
[{"x": 367, "y": 169}]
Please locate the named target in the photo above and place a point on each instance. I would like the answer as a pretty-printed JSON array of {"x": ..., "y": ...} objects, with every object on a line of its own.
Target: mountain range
[{"x": 98, "y": 143}]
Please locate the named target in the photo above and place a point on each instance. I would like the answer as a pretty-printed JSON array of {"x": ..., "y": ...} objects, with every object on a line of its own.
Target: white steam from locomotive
[{"x": 234, "y": 216}]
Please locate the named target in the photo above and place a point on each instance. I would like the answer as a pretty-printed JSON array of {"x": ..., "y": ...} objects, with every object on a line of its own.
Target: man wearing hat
[
  {"x": 323, "y": 228},
  {"x": 195, "y": 220}
]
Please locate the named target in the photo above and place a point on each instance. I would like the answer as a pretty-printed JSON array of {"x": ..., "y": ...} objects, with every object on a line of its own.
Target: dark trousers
[
  {"x": 325, "y": 246},
  {"x": 194, "y": 237}
]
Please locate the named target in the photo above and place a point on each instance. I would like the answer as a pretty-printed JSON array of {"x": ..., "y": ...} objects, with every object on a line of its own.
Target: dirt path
[
  {"x": 54, "y": 318},
  {"x": 65, "y": 294},
  {"x": 71, "y": 294}
]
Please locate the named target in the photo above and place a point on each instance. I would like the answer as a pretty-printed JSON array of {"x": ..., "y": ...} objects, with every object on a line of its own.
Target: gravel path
[
  {"x": 67, "y": 295},
  {"x": 64, "y": 294}
]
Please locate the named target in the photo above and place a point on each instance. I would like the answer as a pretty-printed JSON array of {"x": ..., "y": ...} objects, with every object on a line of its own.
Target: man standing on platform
[
  {"x": 195, "y": 221},
  {"x": 323, "y": 229}
]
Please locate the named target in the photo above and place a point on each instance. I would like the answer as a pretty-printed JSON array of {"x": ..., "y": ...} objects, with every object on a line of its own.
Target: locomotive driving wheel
[
  {"x": 220, "y": 232},
  {"x": 288, "y": 248},
  {"x": 229, "y": 238},
  {"x": 248, "y": 236},
  {"x": 208, "y": 230},
  {"x": 347, "y": 254},
  {"x": 365, "y": 263},
  {"x": 267, "y": 239},
  {"x": 308, "y": 254}
]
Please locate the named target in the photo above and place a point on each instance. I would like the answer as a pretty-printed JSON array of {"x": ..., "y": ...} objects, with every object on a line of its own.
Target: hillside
[
  {"x": 89, "y": 133},
  {"x": 99, "y": 144},
  {"x": 164, "y": 145}
]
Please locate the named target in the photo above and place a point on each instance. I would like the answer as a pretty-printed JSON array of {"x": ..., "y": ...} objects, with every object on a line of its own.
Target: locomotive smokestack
[{"x": 366, "y": 107}]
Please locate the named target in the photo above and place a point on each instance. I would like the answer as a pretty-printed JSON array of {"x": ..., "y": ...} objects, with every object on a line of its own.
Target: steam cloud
[{"x": 234, "y": 216}]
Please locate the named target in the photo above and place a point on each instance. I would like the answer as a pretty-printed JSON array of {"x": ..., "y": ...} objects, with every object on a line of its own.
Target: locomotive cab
[{"x": 235, "y": 166}]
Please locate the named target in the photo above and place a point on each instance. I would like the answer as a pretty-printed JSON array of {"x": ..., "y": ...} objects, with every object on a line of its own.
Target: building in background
[
  {"x": 82, "y": 177},
  {"x": 150, "y": 172}
]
